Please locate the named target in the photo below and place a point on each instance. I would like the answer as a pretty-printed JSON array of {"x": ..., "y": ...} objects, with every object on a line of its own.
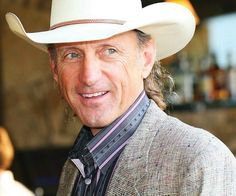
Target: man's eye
[
  {"x": 72, "y": 55},
  {"x": 110, "y": 51}
]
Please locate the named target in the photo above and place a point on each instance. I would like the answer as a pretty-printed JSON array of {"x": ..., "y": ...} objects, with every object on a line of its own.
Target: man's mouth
[{"x": 93, "y": 95}]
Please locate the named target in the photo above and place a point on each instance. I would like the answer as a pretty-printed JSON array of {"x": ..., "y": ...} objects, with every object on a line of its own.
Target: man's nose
[{"x": 90, "y": 71}]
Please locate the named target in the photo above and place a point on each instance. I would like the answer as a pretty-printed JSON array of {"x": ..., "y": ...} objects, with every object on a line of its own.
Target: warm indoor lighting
[{"x": 187, "y": 4}]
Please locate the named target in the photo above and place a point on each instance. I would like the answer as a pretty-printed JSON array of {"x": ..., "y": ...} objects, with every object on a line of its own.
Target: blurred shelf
[{"x": 199, "y": 106}]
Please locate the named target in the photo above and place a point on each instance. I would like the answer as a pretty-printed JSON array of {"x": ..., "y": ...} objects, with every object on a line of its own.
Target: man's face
[{"x": 101, "y": 79}]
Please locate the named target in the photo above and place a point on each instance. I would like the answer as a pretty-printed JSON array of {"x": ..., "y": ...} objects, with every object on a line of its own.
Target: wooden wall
[{"x": 33, "y": 112}]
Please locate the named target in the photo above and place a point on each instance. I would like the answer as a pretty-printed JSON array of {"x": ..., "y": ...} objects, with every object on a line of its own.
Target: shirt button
[{"x": 87, "y": 181}]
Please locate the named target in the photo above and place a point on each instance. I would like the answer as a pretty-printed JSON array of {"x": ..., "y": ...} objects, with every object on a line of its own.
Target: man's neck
[{"x": 95, "y": 131}]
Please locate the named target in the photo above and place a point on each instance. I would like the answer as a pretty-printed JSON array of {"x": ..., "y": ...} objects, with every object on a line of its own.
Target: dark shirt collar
[{"x": 107, "y": 145}]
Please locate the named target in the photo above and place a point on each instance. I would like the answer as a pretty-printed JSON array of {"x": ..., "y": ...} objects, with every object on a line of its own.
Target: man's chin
[
  {"x": 96, "y": 130},
  {"x": 95, "y": 126}
]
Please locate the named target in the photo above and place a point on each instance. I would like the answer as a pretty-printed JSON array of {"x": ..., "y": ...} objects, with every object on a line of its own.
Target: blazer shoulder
[
  {"x": 161, "y": 152},
  {"x": 167, "y": 133},
  {"x": 180, "y": 139}
]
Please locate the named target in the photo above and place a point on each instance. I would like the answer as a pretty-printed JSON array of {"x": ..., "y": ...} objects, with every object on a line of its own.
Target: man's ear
[
  {"x": 149, "y": 54},
  {"x": 53, "y": 66}
]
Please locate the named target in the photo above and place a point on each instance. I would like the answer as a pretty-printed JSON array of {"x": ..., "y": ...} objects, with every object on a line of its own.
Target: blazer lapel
[
  {"x": 67, "y": 179},
  {"x": 132, "y": 164}
]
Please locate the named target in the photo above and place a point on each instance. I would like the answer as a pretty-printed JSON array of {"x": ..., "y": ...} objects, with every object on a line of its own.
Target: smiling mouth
[{"x": 93, "y": 95}]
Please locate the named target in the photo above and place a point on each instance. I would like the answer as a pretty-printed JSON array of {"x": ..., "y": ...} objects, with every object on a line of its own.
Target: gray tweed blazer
[{"x": 167, "y": 157}]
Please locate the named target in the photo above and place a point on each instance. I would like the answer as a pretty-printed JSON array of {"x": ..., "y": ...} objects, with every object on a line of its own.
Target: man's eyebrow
[{"x": 63, "y": 48}]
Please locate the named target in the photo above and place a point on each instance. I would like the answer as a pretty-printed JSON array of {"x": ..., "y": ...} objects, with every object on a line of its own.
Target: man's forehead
[{"x": 111, "y": 40}]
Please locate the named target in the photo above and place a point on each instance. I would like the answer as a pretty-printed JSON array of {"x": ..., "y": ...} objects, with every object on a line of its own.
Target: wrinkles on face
[
  {"x": 100, "y": 79},
  {"x": 63, "y": 79}
]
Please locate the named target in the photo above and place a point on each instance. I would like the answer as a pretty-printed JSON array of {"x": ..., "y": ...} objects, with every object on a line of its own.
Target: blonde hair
[
  {"x": 6, "y": 150},
  {"x": 159, "y": 84}
]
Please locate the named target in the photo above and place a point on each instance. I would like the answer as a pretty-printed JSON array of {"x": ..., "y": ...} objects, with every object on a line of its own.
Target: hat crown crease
[
  {"x": 74, "y": 10},
  {"x": 86, "y": 21}
]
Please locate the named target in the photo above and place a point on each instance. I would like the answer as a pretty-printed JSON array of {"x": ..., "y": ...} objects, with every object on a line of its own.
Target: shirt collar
[{"x": 107, "y": 145}]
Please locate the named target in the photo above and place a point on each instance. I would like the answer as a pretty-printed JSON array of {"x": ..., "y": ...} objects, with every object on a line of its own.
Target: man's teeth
[{"x": 93, "y": 94}]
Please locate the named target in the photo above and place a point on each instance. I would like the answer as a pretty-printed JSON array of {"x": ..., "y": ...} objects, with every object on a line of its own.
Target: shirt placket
[{"x": 89, "y": 170}]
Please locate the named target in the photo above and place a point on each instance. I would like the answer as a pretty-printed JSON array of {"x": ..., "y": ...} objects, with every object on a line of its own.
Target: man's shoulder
[{"x": 181, "y": 139}]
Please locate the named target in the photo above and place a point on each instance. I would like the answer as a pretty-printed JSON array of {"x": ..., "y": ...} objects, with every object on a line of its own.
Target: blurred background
[{"x": 42, "y": 127}]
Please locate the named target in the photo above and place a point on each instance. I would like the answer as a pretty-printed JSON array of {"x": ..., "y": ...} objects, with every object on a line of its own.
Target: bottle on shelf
[
  {"x": 215, "y": 81},
  {"x": 231, "y": 77},
  {"x": 205, "y": 80},
  {"x": 184, "y": 80}
]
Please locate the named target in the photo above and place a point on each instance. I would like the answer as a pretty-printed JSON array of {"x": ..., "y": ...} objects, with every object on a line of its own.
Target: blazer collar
[{"x": 135, "y": 156}]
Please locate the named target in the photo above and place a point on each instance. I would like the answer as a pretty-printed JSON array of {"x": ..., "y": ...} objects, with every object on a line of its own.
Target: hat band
[{"x": 85, "y": 21}]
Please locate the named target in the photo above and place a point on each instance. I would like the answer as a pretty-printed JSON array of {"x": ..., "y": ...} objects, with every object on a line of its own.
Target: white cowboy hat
[{"x": 170, "y": 24}]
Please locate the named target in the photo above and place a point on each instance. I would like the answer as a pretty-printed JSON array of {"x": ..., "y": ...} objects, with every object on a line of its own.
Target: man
[{"x": 102, "y": 55}]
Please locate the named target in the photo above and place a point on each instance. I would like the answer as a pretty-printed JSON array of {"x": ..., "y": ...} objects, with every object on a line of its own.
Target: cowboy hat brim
[{"x": 171, "y": 25}]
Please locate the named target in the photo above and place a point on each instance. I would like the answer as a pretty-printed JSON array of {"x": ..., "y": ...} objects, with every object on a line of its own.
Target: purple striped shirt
[{"x": 95, "y": 157}]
